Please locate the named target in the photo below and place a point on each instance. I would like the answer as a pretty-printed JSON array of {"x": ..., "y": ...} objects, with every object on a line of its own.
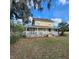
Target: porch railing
[{"x": 36, "y": 33}]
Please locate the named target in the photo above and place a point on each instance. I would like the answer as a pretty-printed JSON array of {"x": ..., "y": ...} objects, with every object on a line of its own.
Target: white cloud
[
  {"x": 63, "y": 2},
  {"x": 56, "y": 21},
  {"x": 68, "y": 22},
  {"x": 36, "y": 6},
  {"x": 32, "y": 4}
]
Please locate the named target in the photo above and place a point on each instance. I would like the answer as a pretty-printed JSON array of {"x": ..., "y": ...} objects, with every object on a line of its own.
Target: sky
[{"x": 59, "y": 11}]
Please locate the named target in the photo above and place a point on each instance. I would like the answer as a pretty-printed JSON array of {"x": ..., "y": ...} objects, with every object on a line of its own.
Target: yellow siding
[{"x": 43, "y": 23}]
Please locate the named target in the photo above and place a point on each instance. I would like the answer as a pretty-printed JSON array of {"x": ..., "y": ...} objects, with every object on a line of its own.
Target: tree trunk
[
  {"x": 62, "y": 33},
  {"x": 58, "y": 31}
]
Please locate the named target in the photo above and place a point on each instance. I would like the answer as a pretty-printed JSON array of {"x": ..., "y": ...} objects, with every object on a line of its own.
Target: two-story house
[{"x": 39, "y": 28}]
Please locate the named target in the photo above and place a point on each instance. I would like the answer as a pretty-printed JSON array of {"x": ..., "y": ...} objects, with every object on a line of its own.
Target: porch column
[
  {"x": 37, "y": 31},
  {"x": 26, "y": 31}
]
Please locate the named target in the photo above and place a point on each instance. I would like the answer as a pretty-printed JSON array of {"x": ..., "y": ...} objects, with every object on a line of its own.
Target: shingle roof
[{"x": 41, "y": 19}]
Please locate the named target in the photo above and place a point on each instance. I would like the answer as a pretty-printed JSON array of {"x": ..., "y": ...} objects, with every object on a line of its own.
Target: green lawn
[{"x": 41, "y": 48}]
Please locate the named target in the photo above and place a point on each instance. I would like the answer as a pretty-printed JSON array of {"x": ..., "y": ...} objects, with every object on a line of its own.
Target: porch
[{"x": 38, "y": 31}]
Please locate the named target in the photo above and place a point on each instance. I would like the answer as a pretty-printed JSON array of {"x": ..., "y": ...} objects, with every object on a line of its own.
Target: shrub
[
  {"x": 14, "y": 38},
  {"x": 16, "y": 32}
]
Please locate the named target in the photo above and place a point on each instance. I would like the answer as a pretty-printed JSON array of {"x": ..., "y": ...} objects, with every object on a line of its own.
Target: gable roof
[{"x": 41, "y": 19}]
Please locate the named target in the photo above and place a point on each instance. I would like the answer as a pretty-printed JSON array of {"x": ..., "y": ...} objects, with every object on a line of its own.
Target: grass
[{"x": 41, "y": 48}]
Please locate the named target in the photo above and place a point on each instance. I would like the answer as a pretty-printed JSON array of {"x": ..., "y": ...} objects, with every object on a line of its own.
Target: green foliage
[
  {"x": 63, "y": 27},
  {"x": 16, "y": 32},
  {"x": 14, "y": 38},
  {"x": 16, "y": 27},
  {"x": 19, "y": 28}
]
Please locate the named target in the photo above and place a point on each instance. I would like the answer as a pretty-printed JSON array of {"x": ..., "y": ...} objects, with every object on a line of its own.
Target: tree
[
  {"x": 63, "y": 26},
  {"x": 21, "y": 8}
]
